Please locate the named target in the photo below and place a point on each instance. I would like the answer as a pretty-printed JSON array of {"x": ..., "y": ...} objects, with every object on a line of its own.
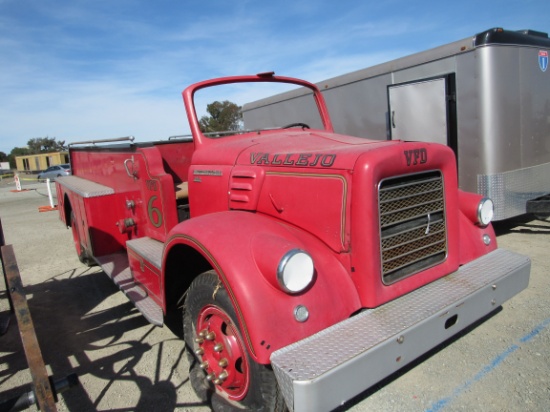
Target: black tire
[
  {"x": 249, "y": 386},
  {"x": 80, "y": 251}
]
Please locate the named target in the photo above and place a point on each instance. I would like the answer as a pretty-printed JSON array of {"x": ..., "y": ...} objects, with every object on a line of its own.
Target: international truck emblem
[{"x": 543, "y": 60}]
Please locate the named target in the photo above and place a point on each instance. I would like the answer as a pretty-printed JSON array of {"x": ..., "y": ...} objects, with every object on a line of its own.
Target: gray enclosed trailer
[{"x": 487, "y": 97}]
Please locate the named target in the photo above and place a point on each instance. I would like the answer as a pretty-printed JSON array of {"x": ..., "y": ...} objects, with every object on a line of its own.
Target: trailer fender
[{"x": 245, "y": 250}]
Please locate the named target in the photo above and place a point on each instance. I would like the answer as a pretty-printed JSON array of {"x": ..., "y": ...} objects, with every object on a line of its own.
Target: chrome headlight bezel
[
  {"x": 485, "y": 211},
  {"x": 295, "y": 271}
]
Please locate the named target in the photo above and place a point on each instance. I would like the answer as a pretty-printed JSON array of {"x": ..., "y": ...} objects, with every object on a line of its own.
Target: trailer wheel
[
  {"x": 220, "y": 370},
  {"x": 80, "y": 251}
]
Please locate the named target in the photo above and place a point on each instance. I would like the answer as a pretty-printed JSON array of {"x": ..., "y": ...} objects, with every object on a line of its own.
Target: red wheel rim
[{"x": 222, "y": 352}]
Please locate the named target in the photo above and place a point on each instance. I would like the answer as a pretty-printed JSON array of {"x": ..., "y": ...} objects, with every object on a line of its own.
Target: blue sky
[{"x": 93, "y": 69}]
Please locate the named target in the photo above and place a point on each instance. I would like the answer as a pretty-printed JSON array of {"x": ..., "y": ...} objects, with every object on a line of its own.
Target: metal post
[
  {"x": 41, "y": 384},
  {"x": 3, "y": 243},
  {"x": 49, "y": 193},
  {"x": 2, "y": 240}
]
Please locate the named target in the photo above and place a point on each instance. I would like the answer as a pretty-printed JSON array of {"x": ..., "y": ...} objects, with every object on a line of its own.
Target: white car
[{"x": 53, "y": 172}]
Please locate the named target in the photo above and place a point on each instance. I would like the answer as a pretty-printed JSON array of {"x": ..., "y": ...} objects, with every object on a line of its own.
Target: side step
[
  {"x": 117, "y": 267},
  {"x": 149, "y": 249}
]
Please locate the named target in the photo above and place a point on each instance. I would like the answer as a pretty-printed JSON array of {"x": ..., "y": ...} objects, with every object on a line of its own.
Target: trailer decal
[{"x": 543, "y": 60}]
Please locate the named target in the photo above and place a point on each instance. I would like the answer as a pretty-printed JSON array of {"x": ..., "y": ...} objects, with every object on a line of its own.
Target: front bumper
[{"x": 323, "y": 371}]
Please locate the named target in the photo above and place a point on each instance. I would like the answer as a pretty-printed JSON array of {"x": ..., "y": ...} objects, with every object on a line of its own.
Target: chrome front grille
[{"x": 413, "y": 233}]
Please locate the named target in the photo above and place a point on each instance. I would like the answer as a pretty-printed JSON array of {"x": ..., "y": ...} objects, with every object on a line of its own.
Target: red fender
[{"x": 245, "y": 249}]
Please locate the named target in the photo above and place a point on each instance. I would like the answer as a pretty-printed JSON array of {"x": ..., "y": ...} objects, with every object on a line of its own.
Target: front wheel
[{"x": 220, "y": 369}]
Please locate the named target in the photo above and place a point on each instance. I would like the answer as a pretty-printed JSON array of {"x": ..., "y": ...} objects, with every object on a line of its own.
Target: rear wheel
[
  {"x": 220, "y": 370},
  {"x": 80, "y": 251}
]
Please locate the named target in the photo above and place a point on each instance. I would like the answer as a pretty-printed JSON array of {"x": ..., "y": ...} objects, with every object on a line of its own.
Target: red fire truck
[{"x": 308, "y": 265}]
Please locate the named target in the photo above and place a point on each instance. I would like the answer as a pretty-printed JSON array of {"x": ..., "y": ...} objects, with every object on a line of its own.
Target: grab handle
[{"x": 133, "y": 173}]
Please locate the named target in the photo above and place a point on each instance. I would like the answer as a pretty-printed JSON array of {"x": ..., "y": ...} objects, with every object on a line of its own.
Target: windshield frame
[{"x": 188, "y": 98}]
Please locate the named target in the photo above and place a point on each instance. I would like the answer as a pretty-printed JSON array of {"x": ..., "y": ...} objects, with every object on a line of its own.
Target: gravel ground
[{"x": 86, "y": 326}]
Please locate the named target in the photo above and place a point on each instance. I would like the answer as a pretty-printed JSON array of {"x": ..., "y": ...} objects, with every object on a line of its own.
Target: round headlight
[
  {"x": 485, "y": 211},
  {"x": 295, "y": 271}
]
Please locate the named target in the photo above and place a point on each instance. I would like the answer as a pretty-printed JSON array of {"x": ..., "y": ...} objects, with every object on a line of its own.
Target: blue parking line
[{"x": 442, "y": 403}]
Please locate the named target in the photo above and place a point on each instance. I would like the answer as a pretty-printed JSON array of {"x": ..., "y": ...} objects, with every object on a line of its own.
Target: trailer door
[{"x": 422, "y": 111}]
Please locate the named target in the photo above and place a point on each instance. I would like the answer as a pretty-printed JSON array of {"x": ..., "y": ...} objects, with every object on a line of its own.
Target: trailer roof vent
[{"x": 529, "y": 32}]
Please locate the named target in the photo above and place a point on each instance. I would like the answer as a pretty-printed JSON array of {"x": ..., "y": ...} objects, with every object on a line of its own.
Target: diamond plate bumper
[{"x": 323, "y": 371}]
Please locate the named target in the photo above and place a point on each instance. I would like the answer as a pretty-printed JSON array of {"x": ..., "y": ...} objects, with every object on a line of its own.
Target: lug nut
[
  {"x": 218, "y": 347},
  {"x": 204, "y": 365},
  {"x": 210, "y": 377},
  {"x": 199, "y": 352},
  {"x": 210, "y": 336},
  {"x": 199, "y": 340},
  {"x": 221, "y": 378},
  {"x": 223, "y": 363},
  {"x": 203, "y": 333}
]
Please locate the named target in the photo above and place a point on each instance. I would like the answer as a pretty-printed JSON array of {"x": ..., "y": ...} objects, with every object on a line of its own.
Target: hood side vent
[{"x": 244, "y": 188}]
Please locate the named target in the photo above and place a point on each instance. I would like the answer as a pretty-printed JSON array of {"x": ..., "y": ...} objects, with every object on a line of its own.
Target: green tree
[
  {"x": 3, "y": 157},
  {"x": 224, "y": 116},
  {"x": 17, "y": 151},
  {"x": 45, "y": 145},
  {"x": 20, "y": 151}
]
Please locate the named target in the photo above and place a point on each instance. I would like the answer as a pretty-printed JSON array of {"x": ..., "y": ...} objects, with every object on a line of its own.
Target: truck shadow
[
  {"x": 526, "y": 224},
  {"x": 86, "y": 326}
]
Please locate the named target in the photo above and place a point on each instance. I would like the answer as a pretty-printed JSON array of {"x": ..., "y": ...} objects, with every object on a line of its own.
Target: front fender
[{"x": 242, "y": 247}]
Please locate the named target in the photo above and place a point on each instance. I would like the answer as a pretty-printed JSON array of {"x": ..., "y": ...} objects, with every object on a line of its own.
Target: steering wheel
[{"x": 302, "y": 125}]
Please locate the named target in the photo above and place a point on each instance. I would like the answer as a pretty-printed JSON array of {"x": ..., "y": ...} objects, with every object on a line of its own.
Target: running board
[{"x": 116, "y": 266}]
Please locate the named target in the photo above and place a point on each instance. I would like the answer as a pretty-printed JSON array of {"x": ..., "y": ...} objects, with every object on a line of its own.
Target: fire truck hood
[{"x": 307, "y": 149}]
